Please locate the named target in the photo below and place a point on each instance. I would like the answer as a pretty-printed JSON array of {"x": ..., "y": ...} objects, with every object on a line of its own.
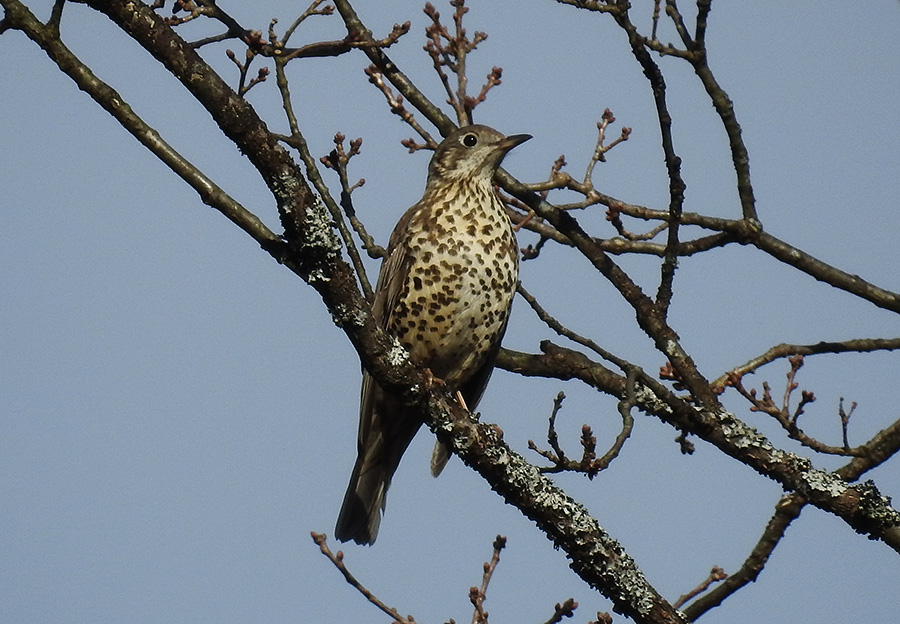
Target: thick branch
[
  {"x": 861, "y": 506},
  {"x": 878, "y": 450},
  {"x": 595, "y": 556}
]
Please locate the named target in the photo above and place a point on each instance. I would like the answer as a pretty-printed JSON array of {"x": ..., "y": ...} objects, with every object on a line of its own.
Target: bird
[{"x": 444, "y": 291}]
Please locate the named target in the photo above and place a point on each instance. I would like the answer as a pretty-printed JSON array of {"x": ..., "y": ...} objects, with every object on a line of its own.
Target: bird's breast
[{"x": 462, "y": 277}]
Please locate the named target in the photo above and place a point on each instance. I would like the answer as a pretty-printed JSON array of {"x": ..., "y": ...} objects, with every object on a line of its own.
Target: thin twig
[
  {"x": 450, "y": 51},
  {"x": 312, "y": 9},
  {"x": 552, "y": 437},
  {"x": 337, "y": 160},
  {"x": 338, "y": 561},
  {"x": 783, "y": 350},
  {"x": 477, "y": 595},
  {"x": 558, "y": 327},
  {"x": 782, "y": 413},
  {"x": 564, "y": 610},
  {"x": 845, "y": 420},
  {"x": 715, "y": 575},
  {"x": 395, "y": 101},
  {"x": 589, "y": 463}
]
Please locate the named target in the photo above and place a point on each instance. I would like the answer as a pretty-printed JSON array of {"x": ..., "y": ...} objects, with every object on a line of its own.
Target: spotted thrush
[{"x": 444, "y": 291}]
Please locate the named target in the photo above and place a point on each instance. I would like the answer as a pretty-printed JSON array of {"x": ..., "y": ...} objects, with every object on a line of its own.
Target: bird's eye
[{"x": 470, "y": 140}]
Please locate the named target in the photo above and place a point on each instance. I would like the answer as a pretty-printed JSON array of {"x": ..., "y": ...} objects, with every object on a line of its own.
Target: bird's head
[{"x": 471, "y": 153}]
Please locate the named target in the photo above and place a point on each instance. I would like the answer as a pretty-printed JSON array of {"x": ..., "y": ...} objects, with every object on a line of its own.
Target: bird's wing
[
  {"x": 391, "y": 280},
  {"x": 394, "y": 271},
  {"x": 475, "y": 386}
]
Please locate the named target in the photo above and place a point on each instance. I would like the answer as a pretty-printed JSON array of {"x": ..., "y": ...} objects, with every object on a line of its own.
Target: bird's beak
[{"x": 511, "y": 141}]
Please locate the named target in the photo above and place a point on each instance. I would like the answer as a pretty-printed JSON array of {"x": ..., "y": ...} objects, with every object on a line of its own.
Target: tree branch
[
  {"x": 47, "y": 37},
  {"x": 879, "y": 449},
  {"x": 861, "y": 506}
]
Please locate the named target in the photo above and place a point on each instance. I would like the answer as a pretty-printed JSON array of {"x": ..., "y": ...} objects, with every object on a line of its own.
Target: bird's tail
[
  {"x": 378, "y": 456},
  {"x": 364, "y": 501}
]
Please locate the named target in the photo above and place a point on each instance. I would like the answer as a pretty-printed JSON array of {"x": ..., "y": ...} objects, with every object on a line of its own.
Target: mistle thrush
[{"x": 444, "y": 291}]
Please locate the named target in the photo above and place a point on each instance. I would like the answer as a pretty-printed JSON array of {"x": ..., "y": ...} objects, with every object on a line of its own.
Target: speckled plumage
[{"x": 444, "y": 291}]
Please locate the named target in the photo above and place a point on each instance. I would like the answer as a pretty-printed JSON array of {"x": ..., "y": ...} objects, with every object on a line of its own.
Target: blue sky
[{"x": 179, "y": 412}]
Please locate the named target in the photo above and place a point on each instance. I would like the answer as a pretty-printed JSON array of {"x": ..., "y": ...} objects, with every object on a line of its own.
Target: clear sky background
[{"x": 178, "y": 412}]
